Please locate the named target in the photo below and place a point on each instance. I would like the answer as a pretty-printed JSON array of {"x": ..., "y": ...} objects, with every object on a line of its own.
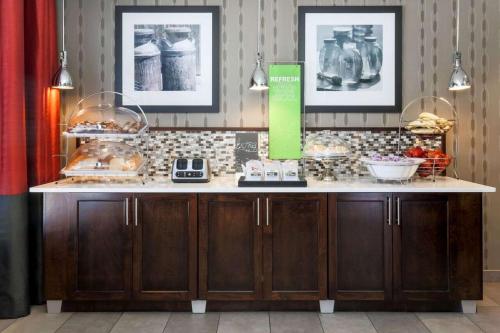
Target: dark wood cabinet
[
  {"x": 421, "y": 247},
  {"x": 120, "y": 246},
  {"x": 360, "y": 246},
  {"x": 295, "y": 247},
  {"x": 165, "y": 247},
  {"x": 376, "y": 250},
  {"x": 269, "y": 247},
  {"x": 230, "y": 247},
  {"x": 99, "y": 246},
  {"x": 404, "y": 247}
]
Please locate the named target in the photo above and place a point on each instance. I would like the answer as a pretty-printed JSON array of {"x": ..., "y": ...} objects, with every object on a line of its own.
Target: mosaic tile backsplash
[{"x": 218, "y": 147}]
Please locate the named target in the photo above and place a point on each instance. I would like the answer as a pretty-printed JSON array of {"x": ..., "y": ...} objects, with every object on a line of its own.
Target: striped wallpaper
[{"x": 427, "y": 49}]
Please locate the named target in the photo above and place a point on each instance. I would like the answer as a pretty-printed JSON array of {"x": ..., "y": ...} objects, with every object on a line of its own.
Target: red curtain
[
  {"x": 29, "y": 143},
  {"x": 42, "y": 102},
  {"x": 13, "y": 173},
  {"x": 29, "y": 108}
]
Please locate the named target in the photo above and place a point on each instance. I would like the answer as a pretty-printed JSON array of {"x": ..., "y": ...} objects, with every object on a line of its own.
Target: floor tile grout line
[
  {"x": 218, "y": 322},
  {"x": 64, "y": 322},
  {"x": 369, "y": 319},
  {"x": 269, "y": 321},
  {"x": 116, "y": 322},
  {"x": 474, "y": 323},
  {"x": 15, "y": 320},
  {"x": 164, "y": 330},
  {"x": 320, "y": 322},
  {"x": 423, "y": 323}
]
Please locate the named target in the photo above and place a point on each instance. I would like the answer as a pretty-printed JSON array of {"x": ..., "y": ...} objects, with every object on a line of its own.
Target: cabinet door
[
  {"x": 100, "y": 246},
  {"x": 165, "y": 243},
  {"x": 230, "y": 247},
  {"x": 295, "y": 247},
  {"x": 360, "y": 246},
  {"x": 421, "y": 247}
]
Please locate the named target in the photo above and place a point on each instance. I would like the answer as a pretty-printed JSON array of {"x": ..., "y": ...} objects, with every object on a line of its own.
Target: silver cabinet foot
[
  {"x": 54, "y": 306},
  {"x": 198, "y": 306},
  {"x": 469, "y": 306},
  {"x": 326, "y": 306}
]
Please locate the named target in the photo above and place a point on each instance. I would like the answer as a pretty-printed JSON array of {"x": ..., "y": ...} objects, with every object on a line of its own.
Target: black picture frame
[
  {"x": 215, "y": 11},
  {"x": 397, "y": 11}
]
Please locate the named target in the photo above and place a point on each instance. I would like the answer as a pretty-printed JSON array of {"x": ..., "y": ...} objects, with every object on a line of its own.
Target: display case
[
  {"x": 105, "y": 158},
  {"x": 326, "y": 150},
  {"x": 97, "y": 116},
  {"x": 317, "y": 147},
  {"x": 102, "y": 128}
]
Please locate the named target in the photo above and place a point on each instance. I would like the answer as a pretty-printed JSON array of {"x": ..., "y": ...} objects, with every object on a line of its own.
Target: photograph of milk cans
[{"x": 167, "y": 57}]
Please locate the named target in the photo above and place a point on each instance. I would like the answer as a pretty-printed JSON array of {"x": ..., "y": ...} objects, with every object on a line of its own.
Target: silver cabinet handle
[
  {"x": 258, "y": 211},
  {"x": 389, "y": 211},
  {"x": 135, "y": 211},
  {"x": 267, "y": 211},
  {"x": 398, "y": 203},
  {"x": 126, "y": 211}
]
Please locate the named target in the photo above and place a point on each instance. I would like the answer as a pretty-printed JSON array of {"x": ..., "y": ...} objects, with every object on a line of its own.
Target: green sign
[{"x": 284, "y": 112}]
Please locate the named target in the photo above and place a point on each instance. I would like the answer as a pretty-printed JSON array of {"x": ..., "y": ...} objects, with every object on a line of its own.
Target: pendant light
[
  {"x": 62, "y": 79},
  {"x": 459, "y": 80},
  {"x": 258, "y": 82}
]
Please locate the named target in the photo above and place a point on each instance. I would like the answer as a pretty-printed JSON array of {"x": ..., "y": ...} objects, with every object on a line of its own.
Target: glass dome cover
[
  {"x": 318, "y": 147},
  {"x": 104, "y": 157},
  {"x": 105, "y": 119}
]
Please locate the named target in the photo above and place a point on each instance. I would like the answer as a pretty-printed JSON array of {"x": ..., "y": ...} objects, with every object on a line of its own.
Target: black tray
[{"x": 273, "y": 183}]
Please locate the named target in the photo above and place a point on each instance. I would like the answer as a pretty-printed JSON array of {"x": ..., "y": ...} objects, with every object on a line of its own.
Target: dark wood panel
[
  {"x": 57, "y": 217},
  {"x": 295, "y": 245},
  {"x": 360, "y": 246},
  {"x": 421, "y": 248},
  {"x": 466, "y": 242},
  {"x": 165, "y": 246},
  {"x": 230, "y": 247},
  {"x": 101, "y": 246}
]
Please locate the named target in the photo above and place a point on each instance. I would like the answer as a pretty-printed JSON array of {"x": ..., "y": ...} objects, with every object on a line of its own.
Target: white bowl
[{"x": 393, "y": 170}]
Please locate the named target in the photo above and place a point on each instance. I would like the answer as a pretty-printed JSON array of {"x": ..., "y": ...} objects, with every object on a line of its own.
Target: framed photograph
[
  {"x": 167, "y": 58},
  {"x": 352, "y": 57}
]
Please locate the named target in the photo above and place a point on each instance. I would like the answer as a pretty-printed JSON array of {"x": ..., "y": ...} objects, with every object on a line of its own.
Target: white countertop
[{"x": 228, "y": 184}]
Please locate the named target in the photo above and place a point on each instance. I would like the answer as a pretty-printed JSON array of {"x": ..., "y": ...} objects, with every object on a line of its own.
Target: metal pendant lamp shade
[
  {"x": 459, "y": 79},
  {"x": 258, "y": 81},
  {"x": 62, "y": 78}
]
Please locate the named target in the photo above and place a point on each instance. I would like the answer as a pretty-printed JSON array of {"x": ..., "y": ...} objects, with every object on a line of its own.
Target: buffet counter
[
  {"x": 228, "y": 184},
  {"x": 353, "y": 244}
]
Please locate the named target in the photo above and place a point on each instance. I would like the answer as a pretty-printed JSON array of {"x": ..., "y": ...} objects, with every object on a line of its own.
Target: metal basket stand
[{"x": 454, "y": 119}]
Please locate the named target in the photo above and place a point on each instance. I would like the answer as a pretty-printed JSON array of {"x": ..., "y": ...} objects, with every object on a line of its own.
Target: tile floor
[{"x": 486, "y": 320}]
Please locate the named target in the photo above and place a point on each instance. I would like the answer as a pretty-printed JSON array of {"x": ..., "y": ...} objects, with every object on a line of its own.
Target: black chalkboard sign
[{"x": 246, "y": 148}]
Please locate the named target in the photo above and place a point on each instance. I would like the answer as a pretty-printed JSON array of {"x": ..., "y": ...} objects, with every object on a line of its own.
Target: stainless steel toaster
[{"x": 190, "y": 170}]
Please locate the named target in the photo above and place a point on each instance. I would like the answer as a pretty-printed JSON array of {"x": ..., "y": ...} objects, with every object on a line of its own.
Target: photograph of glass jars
[
  {"x": 349, "y": 57},
  {"x": 167, "y": 57}
]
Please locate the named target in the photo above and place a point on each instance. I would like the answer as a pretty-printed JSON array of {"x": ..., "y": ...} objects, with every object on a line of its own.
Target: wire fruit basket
[
  {"x": 433, "y": 167},
  {"x": 429, "y": 125}
]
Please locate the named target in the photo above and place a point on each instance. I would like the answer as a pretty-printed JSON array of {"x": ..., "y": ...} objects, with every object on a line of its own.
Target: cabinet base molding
[
  {"x": 221, "y": 306},
  {"x": 54, "y": 306},
  {"x": 469, "y": 306},
  {"x": 326, "y": 306},
  {"x": 198, "y": 306}
]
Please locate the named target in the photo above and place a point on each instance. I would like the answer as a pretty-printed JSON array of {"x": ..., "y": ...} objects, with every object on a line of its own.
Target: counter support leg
[
  {"x": 469, "y": 306},
  {"x": 198, "y": 306},
  {"x": 326, "y": 306},
  {"x": 54, "y": 306}
]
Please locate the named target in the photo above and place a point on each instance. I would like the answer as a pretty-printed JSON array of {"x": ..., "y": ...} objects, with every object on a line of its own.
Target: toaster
[{"x": 190, "y": 170}]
